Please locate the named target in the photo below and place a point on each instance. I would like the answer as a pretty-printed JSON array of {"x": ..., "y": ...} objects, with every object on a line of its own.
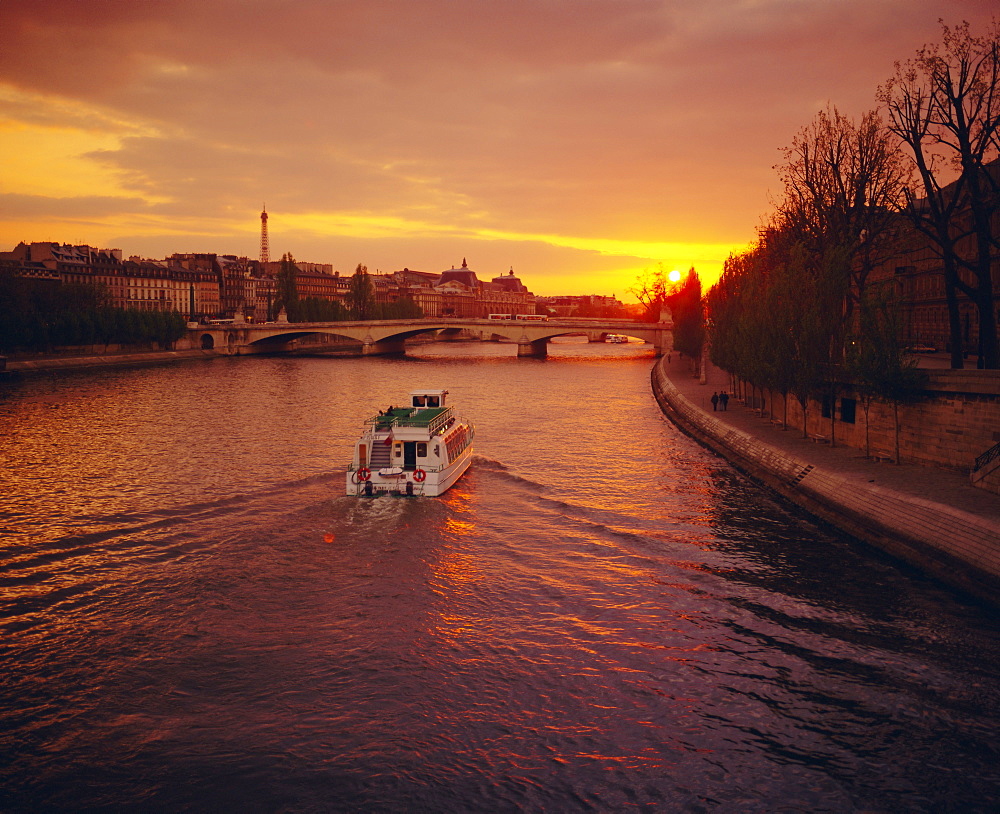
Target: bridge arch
[{"x": 389, "y": 336}]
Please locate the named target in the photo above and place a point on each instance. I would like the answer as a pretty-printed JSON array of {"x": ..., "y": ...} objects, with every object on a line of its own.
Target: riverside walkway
[{"x": 933, "y": 518}]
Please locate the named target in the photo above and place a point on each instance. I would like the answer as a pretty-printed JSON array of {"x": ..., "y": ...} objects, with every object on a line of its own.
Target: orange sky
[{"x": 577, "y": 141}]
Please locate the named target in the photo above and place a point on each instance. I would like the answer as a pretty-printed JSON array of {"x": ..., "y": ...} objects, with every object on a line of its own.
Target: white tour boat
[
  {"x": 617, "y": 339},
  {"x": 421, "y": 449}
]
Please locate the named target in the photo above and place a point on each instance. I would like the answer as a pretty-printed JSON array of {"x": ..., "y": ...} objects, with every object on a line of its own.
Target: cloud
[
  {"x": 95, "y": 207},
  {"x": 547, "y": 127}
]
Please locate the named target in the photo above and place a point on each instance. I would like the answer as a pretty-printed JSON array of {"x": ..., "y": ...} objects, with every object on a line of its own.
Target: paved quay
[
  {"x": 41, "y": 363},
  {"x": 933, "y": 518}
]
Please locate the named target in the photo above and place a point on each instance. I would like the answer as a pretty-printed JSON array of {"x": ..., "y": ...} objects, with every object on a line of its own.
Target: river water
[{"x": 600, "y": 616}]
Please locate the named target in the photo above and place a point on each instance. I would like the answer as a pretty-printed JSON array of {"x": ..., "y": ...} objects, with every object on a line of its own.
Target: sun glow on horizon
[
  {"x": 57, "y": 147},
  {"x": 706, "y": 258}
]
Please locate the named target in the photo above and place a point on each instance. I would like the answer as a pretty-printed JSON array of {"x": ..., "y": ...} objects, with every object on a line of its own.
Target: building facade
[
  {"x": 203, "y": 286},
  {"x": 586, "y": 305},
  {"x": 916, "y": 272}
]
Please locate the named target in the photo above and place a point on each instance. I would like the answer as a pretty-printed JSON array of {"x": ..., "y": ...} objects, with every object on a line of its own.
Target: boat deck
[{"x": 409, "y": 417}]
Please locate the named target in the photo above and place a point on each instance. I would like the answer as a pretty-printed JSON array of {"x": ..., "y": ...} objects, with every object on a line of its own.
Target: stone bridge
[{"x": 389, "y": 336}]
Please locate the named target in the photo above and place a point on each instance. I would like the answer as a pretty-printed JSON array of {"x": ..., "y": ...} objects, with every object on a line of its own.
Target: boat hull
[{"x": 405, "y": 485}]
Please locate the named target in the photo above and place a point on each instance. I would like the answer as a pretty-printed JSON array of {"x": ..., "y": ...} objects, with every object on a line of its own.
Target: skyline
[{"x": 578, "y": 143}]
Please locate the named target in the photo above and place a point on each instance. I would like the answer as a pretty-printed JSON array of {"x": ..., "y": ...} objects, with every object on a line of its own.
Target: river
[{"x": 600, "y": 616}]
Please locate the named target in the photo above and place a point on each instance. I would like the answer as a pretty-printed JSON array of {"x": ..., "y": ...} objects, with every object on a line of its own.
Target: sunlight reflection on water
[{"x": 599, "y": 615}]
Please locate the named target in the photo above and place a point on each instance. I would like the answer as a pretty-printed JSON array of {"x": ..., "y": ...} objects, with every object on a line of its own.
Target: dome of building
[
  {"x": 464, "y": 275},
  {"x": 510, "y": 283}
]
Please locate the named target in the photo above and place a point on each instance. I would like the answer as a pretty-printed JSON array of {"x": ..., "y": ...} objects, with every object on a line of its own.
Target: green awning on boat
[{"x": 408, "y": 417}]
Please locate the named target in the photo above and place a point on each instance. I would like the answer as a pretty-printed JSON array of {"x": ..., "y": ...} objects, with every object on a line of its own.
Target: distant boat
[
  {"x": 616, "y": 339},
  {"x": 420, "y": 449}
]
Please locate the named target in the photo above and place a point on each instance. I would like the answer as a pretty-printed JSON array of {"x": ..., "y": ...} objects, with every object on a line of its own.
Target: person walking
[
  {"x": 724, "y": 400},
  {"x": 715, "y": 402}
]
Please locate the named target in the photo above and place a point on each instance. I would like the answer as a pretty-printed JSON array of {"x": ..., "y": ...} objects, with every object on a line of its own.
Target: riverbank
[
  {"x": 45, "y": 363},
  {"x": 66, "y": 361},
  {"x": 931, "y": 518}
]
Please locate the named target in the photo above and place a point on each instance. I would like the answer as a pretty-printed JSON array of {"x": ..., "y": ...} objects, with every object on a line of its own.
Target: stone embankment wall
[
  {"x": 40, "y": 363},
  {"x": 955, "y": 421},
  {"x": 959, "y": 548}
]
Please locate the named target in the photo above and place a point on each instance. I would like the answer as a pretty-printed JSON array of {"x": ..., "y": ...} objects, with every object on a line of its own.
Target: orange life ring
[
  {"x": 364, "y": 473},
  {"x": 419, "y": 475}
]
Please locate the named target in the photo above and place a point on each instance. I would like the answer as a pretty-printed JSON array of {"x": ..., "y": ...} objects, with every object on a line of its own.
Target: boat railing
[
  {"x": 439, "y": 421},
  {"x": 427, "y": 467},
  {"x": 385, "y": 423}
]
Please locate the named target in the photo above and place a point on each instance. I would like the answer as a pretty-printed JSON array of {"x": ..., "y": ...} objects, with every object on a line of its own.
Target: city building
[
  {"x": 323, "y": 285},
  {"x": 206, "y": 285},
  {"x": 419, "y": 286},
  {"x": 463, "y": 294},
  {"x": 916, "y": 271},
  {"x": 587, "y": 305},
  {"x": 919, "y": 279}
]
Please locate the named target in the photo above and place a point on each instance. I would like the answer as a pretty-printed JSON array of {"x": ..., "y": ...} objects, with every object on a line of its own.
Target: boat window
[
  {"x": 421, "y": 449},
  {"x": 399, "y": 450},
  {"x": 418, "y": 401},
  {"x": 433, "y": 401}
]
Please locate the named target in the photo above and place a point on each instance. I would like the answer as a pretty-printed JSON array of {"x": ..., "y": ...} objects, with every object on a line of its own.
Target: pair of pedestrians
[{"x": 720, "y": 401}]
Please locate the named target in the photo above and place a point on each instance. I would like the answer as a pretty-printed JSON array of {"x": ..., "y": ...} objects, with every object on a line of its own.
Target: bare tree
[
  {"x": 944, "y": 105},
  {"x": 844, "y": 182},
  {"x": 652, "y": 290}
]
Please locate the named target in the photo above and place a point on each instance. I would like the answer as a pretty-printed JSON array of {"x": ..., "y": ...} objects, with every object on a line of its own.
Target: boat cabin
[{"x": 428, "y": 399}]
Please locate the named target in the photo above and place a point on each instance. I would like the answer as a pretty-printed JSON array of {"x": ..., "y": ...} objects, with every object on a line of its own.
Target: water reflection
[{"x": 599, "y": 615}]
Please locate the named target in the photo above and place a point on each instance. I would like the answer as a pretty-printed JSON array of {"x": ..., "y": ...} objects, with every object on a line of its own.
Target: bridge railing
[{"x": 582, "y": 322}]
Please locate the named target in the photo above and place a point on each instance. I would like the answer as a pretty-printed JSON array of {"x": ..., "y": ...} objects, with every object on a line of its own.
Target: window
[
  {"x": 421, "y": 449},
  {"x": 847, "y": 410}
]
